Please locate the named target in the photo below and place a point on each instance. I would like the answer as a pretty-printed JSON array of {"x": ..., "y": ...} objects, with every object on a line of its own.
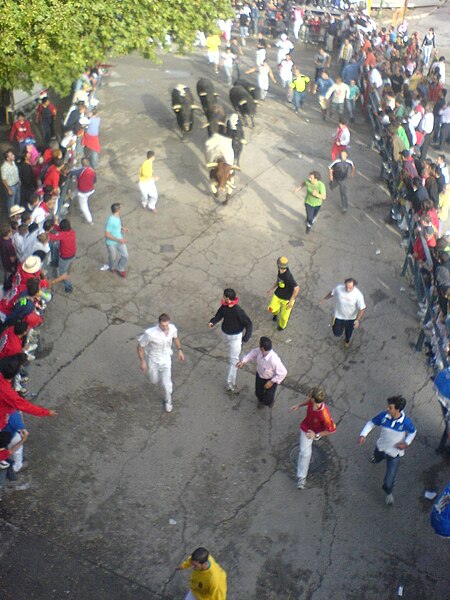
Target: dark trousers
[
  {"x": 341, "y": 325},
  {"x": 342, "y": 189},
  {"x": 311, "y": 214},
  {"x": 444, "y": 134},
  {"x": 392, "y": 465},
  {"x": 444, "y": 438},
  {"x": 266, "y": 397},
  {"x": 424, "y": 147}
]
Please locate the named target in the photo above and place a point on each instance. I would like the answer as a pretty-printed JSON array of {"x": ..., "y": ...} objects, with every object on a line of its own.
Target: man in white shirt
[
  {"x": 155, "y": 354},
  {"x": 397, "y": 434},
  {"x": 444, "y": 133},
  {"x": 376, "y": 81},
  {"x": 426, "y": 127},
  {"x": 349, "y": 309},
  {"x": 439, "y": 65}
]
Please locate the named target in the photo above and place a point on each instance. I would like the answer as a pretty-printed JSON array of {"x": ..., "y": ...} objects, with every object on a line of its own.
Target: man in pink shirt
[{"x": 270, "y": 371}]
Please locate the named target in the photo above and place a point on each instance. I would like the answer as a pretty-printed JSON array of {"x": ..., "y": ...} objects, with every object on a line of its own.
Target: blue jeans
[
  {"x": 64, "y": 265},
  {"x": 350, "y": 106},
  {"x": 117, "y": 257},
  {"x": 298, "y": 99},
  {"x": 393, "y": 463},
  {"x": 13, "y": 198},
  {"x": 311, "y": 214}
]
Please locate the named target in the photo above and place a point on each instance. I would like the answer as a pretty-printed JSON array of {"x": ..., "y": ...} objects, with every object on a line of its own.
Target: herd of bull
[{"x": 226, "y": 137}]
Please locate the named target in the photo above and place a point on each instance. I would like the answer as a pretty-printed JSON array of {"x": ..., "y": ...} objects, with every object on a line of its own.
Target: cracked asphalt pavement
[{"x": 118, "y": 491}]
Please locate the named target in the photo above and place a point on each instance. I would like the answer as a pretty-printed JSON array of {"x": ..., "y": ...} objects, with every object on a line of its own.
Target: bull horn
[
  {"x": 242, "y": 102},
  {"x": 215, "y": 94},
  {"x": 205, "y": 125},
  {"x": 236, "y": 168},
  {"x": 195, "y": 107},
  {"x": 257, "y": 101},
  {"x": 176, "y": 106},
  {"x": 244, "y": 142},
  {"x": 202, "y": 93},
  {"x": 212, "y": 165}
]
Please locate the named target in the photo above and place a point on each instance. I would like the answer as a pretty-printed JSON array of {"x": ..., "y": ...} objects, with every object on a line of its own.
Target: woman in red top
[
  {"x": 20, "y": 131},
  {"x": 316, "y": 425}
]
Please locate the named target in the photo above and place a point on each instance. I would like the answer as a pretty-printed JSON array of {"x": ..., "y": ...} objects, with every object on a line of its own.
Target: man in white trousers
[
  {"x": 86, "y": 178},
  {"x": 236, "y": 329},
  {"x": 316, "y": 425},
  {"x": 147, "y": 183},
  {"x": 155, "y": 353}
]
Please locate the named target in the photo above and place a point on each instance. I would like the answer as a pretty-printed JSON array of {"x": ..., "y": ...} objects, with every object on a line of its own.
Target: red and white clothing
[
  {"x": 20, "y": 131},
  {"x": 10, "y": 343},
  {"x": 341, "y": 141},
  {"x": 10, "y": 401},
  {"x": 317, "y": 421},
  {"x": 52, "y": 177}
]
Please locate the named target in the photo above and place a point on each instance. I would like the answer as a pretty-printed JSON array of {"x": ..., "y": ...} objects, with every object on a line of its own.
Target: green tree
[{"x": 51, "y": 41}]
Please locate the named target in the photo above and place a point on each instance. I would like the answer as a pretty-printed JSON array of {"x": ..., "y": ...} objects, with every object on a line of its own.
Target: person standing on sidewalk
[
  {"x": 316, "y": 193},
  {"x": 339, "y": 171},
  {"x": 208, "y": 580},
  {"x": 316, "y": 425},
  {"x": 116, "y": 244},
  {"x": 270, "y": 371},
  {"x": 67, "y": 239},
  {"x": 236, "y": 328},
  {"x": 86, "y": 178},
  {"x": 10, "y": 179},
  {"x": 284, "y": 292},
  {"x": 147, "y": 183},
  {"x": 349, "y": 309},
  {"x": 397, "y": 434},
  {"x": 155, "y": 354}
]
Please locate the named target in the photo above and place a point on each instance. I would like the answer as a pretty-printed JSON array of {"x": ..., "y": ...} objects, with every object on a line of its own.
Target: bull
[
  {"x": 243, "y": 103},
  {"x": 183, "y": 106},
  {"x": 235, "y": 132},
  {"x": 216, "y": 119},
  {"x": 220, "y": 162},
  {"x": 206, "y": 93},
  {"x": 253, "y": 89}
]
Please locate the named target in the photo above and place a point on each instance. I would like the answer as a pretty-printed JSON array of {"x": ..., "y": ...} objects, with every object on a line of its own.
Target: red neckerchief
[{"x": 230, "y": 303}]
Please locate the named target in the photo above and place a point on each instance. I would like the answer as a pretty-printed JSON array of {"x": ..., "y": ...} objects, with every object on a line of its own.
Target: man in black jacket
[{"x": 235, "y": 322}]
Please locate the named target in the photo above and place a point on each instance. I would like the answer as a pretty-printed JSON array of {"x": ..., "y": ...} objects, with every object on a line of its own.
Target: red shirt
[
  {"x": 418, "y": 250},
  {"x": 67, "y": 242},
  {"x": 86, "y": 180},
  {"x": 10, "y": 401},
  {"x": 10, "y": 343},
  {"x": 52, "y": 177},
  {"x": 370, "y": 61},
  {"x": 4, "y": 454},
  {"x": 20, "y": 131},
  {"x": 21, "y": 278},
  {"x": 317, "y": 420}
]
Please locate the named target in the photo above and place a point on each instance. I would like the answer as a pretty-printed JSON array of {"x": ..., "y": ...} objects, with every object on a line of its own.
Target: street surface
[{"x": 118, "y": 492}]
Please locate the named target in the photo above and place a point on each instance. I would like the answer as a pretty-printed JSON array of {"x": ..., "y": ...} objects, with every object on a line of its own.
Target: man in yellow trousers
[{"x": 285, "y": 290}]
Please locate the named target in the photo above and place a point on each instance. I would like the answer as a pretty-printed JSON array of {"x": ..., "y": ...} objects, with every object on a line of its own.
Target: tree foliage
[{"x": 51, "y": 41}]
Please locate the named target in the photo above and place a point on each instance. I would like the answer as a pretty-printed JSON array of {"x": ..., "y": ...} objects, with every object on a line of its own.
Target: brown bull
[{"x": 221, "y": 178}]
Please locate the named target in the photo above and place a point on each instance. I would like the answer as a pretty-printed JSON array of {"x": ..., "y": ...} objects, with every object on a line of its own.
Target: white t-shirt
[
  {"x": 348, "y": 304},
  {"x": 157, "y": 345}
]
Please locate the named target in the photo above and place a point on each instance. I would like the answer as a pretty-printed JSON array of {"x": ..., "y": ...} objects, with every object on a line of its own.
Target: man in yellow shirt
[
  {"x": 208, "y": 579},
  {"x": 300, "y": 84},
  {"x": 212, "y": 45},
  {"x": 147, "y": 183}
]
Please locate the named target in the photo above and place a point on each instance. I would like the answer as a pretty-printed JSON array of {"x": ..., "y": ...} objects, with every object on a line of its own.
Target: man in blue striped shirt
[{"x": 397, "y": 433}]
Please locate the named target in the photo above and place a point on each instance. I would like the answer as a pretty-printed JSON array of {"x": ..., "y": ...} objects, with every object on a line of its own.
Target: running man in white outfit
[
  {"x": 349, "y": 309},
  {"x": 155, "y": 353}
]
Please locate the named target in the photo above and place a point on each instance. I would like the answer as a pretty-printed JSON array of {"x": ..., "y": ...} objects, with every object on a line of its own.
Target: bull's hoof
[{"x": 216, "y": 195}]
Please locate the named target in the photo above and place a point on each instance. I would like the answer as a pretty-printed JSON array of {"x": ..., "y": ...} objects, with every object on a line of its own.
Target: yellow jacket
[
  {"x": 444, "y": 205},
  {"x": 210, "y": 584}
]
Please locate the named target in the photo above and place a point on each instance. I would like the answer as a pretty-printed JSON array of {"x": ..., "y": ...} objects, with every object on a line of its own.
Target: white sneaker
[
  {"x": 389, "y": 500},
  {"x": 301, "y": 482},
  {"x": 31, "y": 347},
  {"x": 168, "y": 407}
]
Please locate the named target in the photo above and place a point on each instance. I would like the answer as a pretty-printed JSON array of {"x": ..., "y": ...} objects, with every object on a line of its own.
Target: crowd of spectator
[{"x": 47, "y": 163}]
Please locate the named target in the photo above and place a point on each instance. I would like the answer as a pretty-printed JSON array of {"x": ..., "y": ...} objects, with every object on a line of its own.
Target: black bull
[{"x": 183, "y": 106}]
